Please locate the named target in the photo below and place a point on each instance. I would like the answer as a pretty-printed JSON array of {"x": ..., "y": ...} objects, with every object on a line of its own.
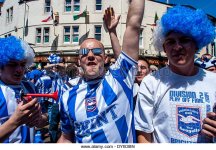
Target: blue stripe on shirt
[
  {"x": 123, "y": 129},
  {"x": 3, "y": 105},
  {"x": 25, "y": 134},
  {"x": 108, "y": 93},
  {"x": 99, "y": 137},
  {"x": 127, "y": 90},
  {"x": 72, "y": 101}
]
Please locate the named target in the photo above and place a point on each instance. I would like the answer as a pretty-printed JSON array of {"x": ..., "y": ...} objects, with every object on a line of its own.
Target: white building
[{"x": 23, "y": 18}]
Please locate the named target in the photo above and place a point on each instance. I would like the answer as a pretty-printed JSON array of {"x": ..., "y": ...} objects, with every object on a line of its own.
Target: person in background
[
  {"x": 43, "y": 86},
  {"x": 75, "y": 73},
  {"x": 100, "y": 109},
  {"x": 54, "y": 71},
  {"x": 34, "y": 74},
  {"x": 172, "y": 105},
  {"x": 18, "y": 117},
  {"x": 112, "y": 61},
  {"x": 143, "y": 70},
  {"x": 206, "y": 62}
]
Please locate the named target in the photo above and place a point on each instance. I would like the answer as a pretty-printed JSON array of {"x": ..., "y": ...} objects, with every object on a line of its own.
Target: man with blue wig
[
  {"x": 17, "y": 117},
  {"x": 172, "y": 105}
]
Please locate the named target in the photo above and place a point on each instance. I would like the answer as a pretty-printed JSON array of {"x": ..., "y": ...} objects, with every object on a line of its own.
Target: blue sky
[{"x": 209, "y": 6}]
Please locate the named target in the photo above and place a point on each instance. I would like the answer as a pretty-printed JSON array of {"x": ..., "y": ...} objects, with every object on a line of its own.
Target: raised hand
[{"x": 110, "y": 20}]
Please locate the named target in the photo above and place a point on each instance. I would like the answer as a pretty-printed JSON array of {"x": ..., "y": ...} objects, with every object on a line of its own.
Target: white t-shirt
[{"x": 172, "y": 106}]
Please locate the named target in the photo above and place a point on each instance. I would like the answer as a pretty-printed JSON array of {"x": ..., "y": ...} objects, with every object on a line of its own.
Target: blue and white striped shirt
[
  {"x": 57, "y": 84},
  {"x": 101, "y": 111},
  {"x": 8, "y": 104},
  {"x": 44, "y": 85}
]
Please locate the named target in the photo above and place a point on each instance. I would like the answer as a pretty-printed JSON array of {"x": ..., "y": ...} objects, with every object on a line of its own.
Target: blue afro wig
[
  {"x": 193, "y": 23},
  {"x": 12, "y": 48}
]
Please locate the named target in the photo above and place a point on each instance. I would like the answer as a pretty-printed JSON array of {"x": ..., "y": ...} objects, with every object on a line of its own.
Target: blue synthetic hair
[
  {"x": 12, "y": 48},
  {"x": 193, "y": 23}
]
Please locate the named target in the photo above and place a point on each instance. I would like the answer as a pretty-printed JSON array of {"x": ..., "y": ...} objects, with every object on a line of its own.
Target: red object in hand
[
  {"x": 51, "y": 95},
  {"x": 27, "y": 98}
]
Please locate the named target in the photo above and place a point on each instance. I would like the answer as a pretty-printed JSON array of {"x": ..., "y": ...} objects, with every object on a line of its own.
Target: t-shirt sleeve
[
  {"x": 124, "y": 69},
  {"x": 144, "y": 109}
]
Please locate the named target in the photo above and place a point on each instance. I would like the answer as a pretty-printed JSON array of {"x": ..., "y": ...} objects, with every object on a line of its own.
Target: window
[
  {"x": 76, "y": 5},
  {"x": 141, "y": 38},
  {"x": 66, "y": 34},
  {"x": 75, "y": 34},
  {"x": 38, "y": 35},
  {"x": 67, "y": 5},
  {"x": 46, "y": 35},
  {"x": 47, "y": 7},
  {"x": 98, "y": 5},
  {"x": 98, "y": 33},
  {"x": 9, "y": 15}
]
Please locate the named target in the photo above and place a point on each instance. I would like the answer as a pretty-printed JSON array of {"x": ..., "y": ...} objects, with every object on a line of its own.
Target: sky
[{"x": 209, "y": 6}]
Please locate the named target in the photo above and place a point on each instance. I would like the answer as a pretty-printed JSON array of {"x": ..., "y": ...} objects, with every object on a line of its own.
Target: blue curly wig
[
  {"x": 193, "y": 23},
  {"x": 12, "y": 48}
]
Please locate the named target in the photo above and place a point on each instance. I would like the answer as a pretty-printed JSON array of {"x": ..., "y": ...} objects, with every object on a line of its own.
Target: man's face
[
  {"x": 13, "y": 72},
  {"x": 180, "y": 50},
  {"x": 143, "y": 70},
  {"x": 112, "y": 61},
  {"x": 92, "y": 59}
]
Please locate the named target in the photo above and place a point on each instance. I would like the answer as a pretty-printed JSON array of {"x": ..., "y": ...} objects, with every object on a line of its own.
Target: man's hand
[
  {"x": 209, "y": 125},
  {"x": 110, "y": 20},
  {"x": 26, "y": 113}
]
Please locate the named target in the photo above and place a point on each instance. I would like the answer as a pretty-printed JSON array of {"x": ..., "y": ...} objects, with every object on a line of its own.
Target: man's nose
[
  {"x": 139, "y": 69},
  {"x": 91, "y": 55},
  {"x": 20, "y": 68},
  {"x": 178, "y": 45}
]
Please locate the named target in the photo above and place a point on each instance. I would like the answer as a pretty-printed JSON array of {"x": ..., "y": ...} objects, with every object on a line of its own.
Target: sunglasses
[{"x": 95, "y": 51}]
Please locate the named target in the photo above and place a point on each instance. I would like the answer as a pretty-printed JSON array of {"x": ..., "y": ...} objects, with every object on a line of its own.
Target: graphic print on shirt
[
  {"x": 188, "y": 120},
  {"x": 90, "y": 104},
  {"x": 188, "y": 108}
]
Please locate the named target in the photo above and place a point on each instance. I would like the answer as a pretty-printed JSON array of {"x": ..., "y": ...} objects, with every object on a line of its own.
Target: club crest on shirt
[
  {"x": 90, "y": 104},
  {"x": 188, "y": 120}
]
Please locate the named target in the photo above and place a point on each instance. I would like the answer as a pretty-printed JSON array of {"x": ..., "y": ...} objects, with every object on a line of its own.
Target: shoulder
[
  {"x": 124, "y": 59},
  {"x": 208, "y": 74}
]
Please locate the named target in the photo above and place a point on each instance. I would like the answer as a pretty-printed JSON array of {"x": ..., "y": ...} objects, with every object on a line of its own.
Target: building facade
[{"x": 72, "y": 22}]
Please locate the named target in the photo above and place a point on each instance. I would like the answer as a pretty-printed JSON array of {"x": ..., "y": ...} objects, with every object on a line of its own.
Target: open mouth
[
  {"x": 17, "y": 76},
  {"x": 91, "y": 64}
]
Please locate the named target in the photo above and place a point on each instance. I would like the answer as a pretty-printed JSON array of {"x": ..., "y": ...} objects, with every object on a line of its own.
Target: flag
[
  {"x": 83, "y": 37},
  {"x": 155, "y": 20},
  {"x": 83, "y": 14},
  {"x": 50, "y": 17}
]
